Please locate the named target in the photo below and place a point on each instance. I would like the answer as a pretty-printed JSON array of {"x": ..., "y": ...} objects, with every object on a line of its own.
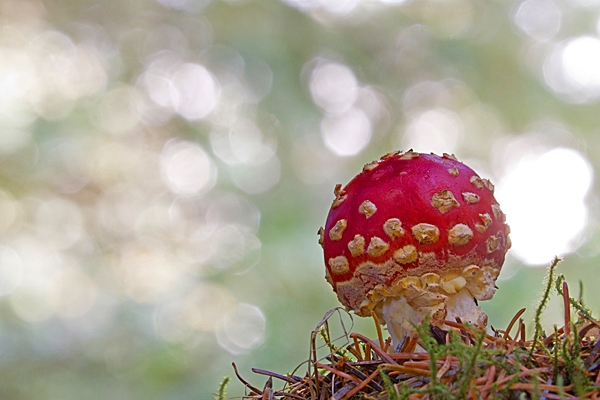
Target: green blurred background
[{"x": 165, "y": 166}]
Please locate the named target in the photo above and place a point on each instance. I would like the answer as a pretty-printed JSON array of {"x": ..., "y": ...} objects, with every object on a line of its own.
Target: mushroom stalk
[{"x": 401, "y": 314}]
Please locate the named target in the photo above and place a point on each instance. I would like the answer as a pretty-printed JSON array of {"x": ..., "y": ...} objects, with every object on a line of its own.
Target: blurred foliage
[{"x": 165, "y": 166}]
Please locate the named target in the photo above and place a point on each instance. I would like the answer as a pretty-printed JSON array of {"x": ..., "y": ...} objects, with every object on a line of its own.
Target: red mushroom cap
[{"x": 412, "y": 221}]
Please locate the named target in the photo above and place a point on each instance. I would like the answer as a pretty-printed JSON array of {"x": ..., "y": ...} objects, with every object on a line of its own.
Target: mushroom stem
[
  {"x": 400, "y": 313},
  {"x": 464, "y": 306}
]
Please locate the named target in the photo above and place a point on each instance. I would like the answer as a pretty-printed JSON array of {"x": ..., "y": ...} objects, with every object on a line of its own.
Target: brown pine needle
[
  {"x": 378, "y": 327},
  {"x": 361, "y": 385},
  {"x": 512, "y": 322},
  {"x": 338, "y": 372},
  {"x": 567, "y": 306},
  {"x": 378, "y": 350},
  {"x": 445, "y": 367},
  {"x": 357, "y": 349},
  {"x": 355, "y": 352},
  {"x": 406, "y": 370}
]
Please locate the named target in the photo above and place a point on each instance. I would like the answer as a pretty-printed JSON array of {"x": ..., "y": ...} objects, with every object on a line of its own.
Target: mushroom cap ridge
[{"x": 421, "y": 191}]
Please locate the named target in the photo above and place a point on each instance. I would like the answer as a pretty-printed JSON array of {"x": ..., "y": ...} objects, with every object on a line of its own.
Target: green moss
[
  {"x": 542, "y": 305},
  {"x": 221, "y": 391}
]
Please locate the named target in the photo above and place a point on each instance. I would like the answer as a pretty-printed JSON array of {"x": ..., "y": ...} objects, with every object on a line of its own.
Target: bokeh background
[{"x": 165, "y": 166}]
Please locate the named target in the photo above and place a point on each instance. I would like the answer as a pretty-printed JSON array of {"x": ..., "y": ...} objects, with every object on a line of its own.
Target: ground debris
[{"x": 463, "y": 362}]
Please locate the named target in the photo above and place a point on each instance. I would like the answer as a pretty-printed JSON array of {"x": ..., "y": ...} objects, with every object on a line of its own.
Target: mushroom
[{"x": 414, "y": 235}]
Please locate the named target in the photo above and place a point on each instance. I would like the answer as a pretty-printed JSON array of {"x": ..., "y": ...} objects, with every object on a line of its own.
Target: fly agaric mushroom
[{"x": 414, "y": 235}]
